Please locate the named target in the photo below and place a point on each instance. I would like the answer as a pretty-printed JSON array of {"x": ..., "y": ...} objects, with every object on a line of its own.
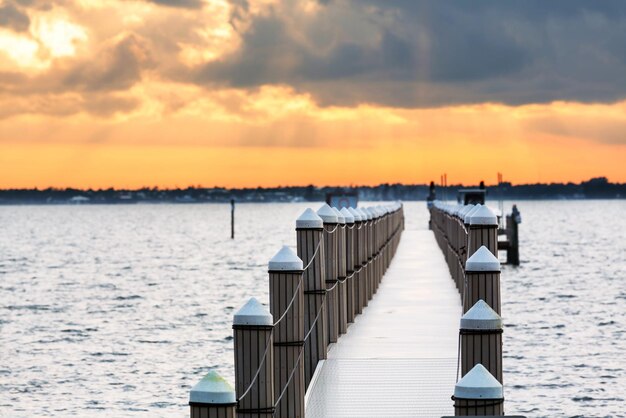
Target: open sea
[{"x": 118, "y": 310}]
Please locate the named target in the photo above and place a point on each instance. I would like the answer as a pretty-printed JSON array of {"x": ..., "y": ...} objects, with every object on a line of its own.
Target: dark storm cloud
[
  {"x": 13, "y": 18},
  {"x": 190, "y": 4},
  {"x": 428, "y": 53}
]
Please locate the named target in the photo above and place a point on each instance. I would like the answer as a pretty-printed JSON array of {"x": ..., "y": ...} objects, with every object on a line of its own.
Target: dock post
[
  {"x": 350, "y": 281},
  {"x": 481, "y": 340},
  {"x": 370, "y": 253},
  {"x": 342, "y": 292},
  {"x": 482, "y": 280},
  {"x": 478, "y": 393},
  {"x": 232, "y": 218},
  {"x": 358, "y": 259},
  {"x": 364, "y": 260},
  {"x": 483, "y": 230},
  {"x": 287, "y": 304},
  {"x": 254, "y": 360},
  {"x": 330, "y": 245},
  {"x": 512, "y": 221},
  {"x": 309, "y": 231},
  {"x": 212, "y": 397}
]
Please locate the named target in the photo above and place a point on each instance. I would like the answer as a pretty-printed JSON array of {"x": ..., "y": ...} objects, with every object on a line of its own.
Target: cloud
[
  {"x": 192, "y": 4},
  {"x": 13, "y": 18},
  {"x": 431, "y": 53}
]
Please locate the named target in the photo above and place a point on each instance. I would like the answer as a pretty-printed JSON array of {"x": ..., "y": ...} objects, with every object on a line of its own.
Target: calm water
[{"x": 119, "y": 310}]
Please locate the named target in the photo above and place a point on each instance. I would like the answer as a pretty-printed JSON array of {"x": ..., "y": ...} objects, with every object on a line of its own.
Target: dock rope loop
[{"x": 334, "y": 229}]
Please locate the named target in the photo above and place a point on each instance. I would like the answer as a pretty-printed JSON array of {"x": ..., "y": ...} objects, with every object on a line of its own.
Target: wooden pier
[{"x": 362, "y": 323}]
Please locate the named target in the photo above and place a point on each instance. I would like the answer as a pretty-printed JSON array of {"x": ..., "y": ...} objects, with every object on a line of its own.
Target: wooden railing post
[
  {"x": 365, "y": 272},
  {"x": 350, "y": 282},
  {"x": 330, "y": 245},
  {"x": 212, "y": 397},
  {"x": 481, "y": 340},
  {"x": 359, "y": 286},
  {"x": 287, "y": 306},
  {"x": 342, "y": 292},
  {"x": 478, "y": 393},
  {"x": 482, "y": 280},
  {"x": 309, "y": 234},
  {"x": 370, "y": 252},
  {"x": 254, "y": 360},
  {"x": 483, "y": 230}
]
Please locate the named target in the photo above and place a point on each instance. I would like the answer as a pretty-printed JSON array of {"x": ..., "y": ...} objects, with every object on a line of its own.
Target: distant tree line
[{"x": 596, "y": 188}]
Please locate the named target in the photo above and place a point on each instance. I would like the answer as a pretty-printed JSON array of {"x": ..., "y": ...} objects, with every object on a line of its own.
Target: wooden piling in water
[
  {"x": 212, "y": 397},
  {"x": 482, "y": 280},
  {"x": 254, "y": 360},
  {"x": 481, "y": 340},
  {"x": 310, "y": 244},
  {"x": 342, "y": 291},
  {"x": 478, "y": 393},
  {"x": 330, "y": 246},
  {"x": 350, "y": 282},
  {"x": 287, "y": 305},
  {"x": 359, "y": 287}
]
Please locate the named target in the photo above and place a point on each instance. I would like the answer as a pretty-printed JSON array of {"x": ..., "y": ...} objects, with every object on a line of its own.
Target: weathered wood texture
[
  {"x": 483, "y": 285},
  {"x": 250, "y": 344},
  {"x": 471, "y": 407},
  {"x": 332, "y": 304},
  {"x": 212, "y": 411},
  {"x": 315, "y": 347},
  {"x": 288, "y": 342},
  {"x": 342, "y": 291},
  {"x": 484, "y": 347}
]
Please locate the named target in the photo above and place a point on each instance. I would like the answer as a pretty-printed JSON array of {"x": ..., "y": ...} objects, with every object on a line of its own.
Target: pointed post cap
[
  {"x": 340, "y": 218},
  {"x": 468, "y": 214},
  {"x": 483, "y": 216},
  {"x": 285, "y": 260},
  {"x": 366, "y": 213},
  {"x": 356, "y": 214},
  {"x": 212, "y": 389},
  {"x": 347, "y": 215},
  {"x": 481, "y": 316},
  {"x": 309, "y": 220},
  {"x": 327, "y": 214},
  {"x": 253, "y": 313},
  {"x": 482, "y": 260},
  {"x": 478, "y": 383}
]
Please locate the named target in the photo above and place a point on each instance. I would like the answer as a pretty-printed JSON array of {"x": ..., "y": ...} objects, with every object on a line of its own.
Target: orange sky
[{"x": 151, "y": 130}]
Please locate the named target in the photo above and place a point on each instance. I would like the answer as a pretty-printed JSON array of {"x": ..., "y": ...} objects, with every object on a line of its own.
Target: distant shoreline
[{"x": 596, "y": 188}]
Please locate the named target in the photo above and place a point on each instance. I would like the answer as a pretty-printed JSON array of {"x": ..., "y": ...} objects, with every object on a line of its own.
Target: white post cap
[
  {"x": 356, "y": 214},
  {"x": 327, "y": 214},
  {"x": 481, "y": 316},
  {"x": 483, "y": 216},
  {"x": 482, "y": 260},
  {"x": 478, "y": 383},
  {"x": 285, "y": 260},
  {"x": 469, "y": 213},
  {"x": 340, "y": 218},
  {"x": 366, "y": 213},
  {"x": 253, "y": 313},
  {"x": 212, "y": 389},
  {"x": 347, "y": 215},
  {"x": 309, "y": 219}
]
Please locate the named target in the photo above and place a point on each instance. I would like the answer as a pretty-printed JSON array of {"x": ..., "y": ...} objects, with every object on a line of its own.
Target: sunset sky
[{"x": 99, "y": 93}]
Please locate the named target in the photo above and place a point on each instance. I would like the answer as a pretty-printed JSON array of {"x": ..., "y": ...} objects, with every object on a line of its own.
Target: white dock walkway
[{"x": 399, "y": 357}]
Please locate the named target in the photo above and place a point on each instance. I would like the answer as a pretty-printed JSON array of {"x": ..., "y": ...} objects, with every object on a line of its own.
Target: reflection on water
[{"x": 119, "y": 310}]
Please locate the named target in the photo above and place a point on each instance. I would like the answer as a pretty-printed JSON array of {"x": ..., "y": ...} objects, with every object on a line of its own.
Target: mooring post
[
  {"x": 330, "y": 245},
  {"x": 212, "y": 397},
  {"x": 350, "y": 234},
  {"x": 342, "y": 292},
  {"x": 254, "y": 360},
  {"x": 482, "y": 280},
  {"x": 232, "y": 218},
  {"x": 287, "y": 305},
  {"x": 483, "y": 230},
  {"x": 359, "y": 289},
  {"x": 478, "y": 393},
  {"x": 512, "y": 222},
  {"x": 368, "y": 254},
  {"x": 309, "y": 234},
  {"x": 481, "y": 340}
]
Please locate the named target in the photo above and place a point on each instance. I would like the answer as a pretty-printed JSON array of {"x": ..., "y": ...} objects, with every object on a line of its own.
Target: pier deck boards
[{"x": 399, "y": 357}]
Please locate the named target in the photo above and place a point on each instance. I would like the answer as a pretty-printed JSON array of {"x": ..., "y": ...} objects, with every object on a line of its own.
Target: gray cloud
[
  {"x": 13, "y": 18},
  {"x": 191, "y": 4},
  {"x": 436, "y": 52}
]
